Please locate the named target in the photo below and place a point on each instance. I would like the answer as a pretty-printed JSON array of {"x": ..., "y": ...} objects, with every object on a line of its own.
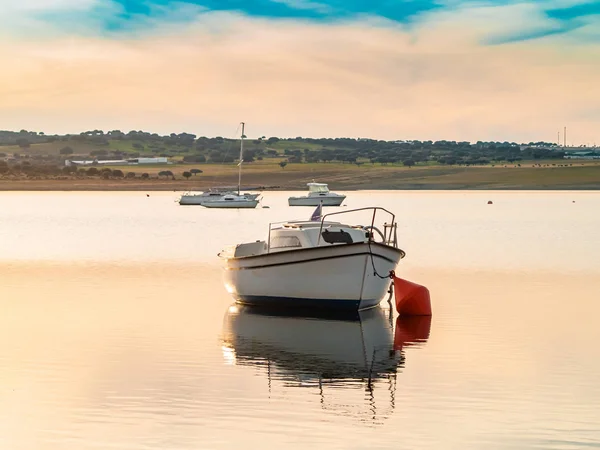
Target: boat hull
[
  {"x": 202, "y": 200},
  {"x": 231, "y": 204},
  {"x": 315, "y": 201},
  {"x": 192, "y": 200},
  {"x": 329, "y": 277}
]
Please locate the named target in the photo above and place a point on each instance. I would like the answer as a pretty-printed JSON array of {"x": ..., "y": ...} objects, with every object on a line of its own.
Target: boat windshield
[{"x": 320, "y": 188}]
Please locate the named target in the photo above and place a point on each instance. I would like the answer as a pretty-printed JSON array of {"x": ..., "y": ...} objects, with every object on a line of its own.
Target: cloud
[
  {"x": 574, "y": 11},
  {"x": 368, "y": 76},
  {"x": 307, "y": 5},
  {"x": 116, "y": 18},
  {"x": 542, "y": 22},
  {"x": 138, "y": 16}
]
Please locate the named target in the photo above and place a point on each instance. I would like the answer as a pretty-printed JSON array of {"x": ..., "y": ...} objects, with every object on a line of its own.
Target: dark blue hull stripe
[
  {"x": 304, "y": 261},
  {"x": 291, "y": 302}
]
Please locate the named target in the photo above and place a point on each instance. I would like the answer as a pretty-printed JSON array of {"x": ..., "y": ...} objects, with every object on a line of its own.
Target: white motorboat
[
  {"x": 318, "y": 193},
  {"x": 216, "y": 199},
  {"x": 315, "y": 264}
]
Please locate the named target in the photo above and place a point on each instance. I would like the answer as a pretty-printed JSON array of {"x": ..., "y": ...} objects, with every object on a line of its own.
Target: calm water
[{"x": 116, "y": 331}]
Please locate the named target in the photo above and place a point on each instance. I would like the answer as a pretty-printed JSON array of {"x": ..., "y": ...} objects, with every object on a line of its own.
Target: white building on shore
[
  {"x": 118, "y": 162},
  {"x": 582, "y": 155}
]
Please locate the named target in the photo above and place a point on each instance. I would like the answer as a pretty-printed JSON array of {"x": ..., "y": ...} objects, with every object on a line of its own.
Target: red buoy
[{"x": 411, "y": 299}]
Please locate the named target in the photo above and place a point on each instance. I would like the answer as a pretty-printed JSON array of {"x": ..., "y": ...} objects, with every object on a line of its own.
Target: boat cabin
[
  {"x": 315, "y": 189},
  {"x": 299, "y": 235},
  {"x": 318, "y": 188}
]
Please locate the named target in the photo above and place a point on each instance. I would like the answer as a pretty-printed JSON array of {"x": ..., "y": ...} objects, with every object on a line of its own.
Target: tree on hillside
[
  {"x": 23, "y": 143},
  {"x": 408, "y": 162},
  {"x": 248, "y": 156},
  {"x": 187, "y": 175},
  {"x": 282, "y": 164},
  {"x": 196, "y": 158},
  {"x": 117, "y": 173},
  {"x": 195, "y": 171},
  {"x": 145, "y": 176},
  {"x": 69, "y": 169},
  {"x": 130, "y": 174},
  {"x": 66, "y": 151},
  {"x": 166, "y": 173}
]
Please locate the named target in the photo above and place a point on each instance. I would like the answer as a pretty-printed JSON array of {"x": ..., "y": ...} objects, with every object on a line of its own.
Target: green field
[
  {"x": 349, "y": 176},
  {"x": 365, "y": 171}
]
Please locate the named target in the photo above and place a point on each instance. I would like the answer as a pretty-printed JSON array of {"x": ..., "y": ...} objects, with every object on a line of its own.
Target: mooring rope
[{"x": 389, "y": 275}]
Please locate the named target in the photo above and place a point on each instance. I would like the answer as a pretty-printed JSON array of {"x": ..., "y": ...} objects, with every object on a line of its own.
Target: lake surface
[{"x": 116, "y": 331}]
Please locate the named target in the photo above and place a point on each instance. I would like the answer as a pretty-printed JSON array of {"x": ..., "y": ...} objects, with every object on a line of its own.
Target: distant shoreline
[
  {"x": 181, "y": 187},
  {"x": 340, "y": 177}
]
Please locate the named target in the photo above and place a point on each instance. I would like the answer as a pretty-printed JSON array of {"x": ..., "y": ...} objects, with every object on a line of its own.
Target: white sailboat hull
[
  {"x": 231, "y": 204},
  {"x": 331, "y": 277},
  {"x": 192, "y": 200},
  {"x": 202, "y": 199},
  {"x": 329, "y": 200}
]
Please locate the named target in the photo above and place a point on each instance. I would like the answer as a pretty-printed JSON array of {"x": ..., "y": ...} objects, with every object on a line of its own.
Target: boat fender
[{"x": 412, "y": 299}]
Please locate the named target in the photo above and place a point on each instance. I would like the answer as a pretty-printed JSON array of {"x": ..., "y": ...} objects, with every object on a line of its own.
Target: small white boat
[
  {"x": 232, "y": 201},
  {"x": 318, "y": 193},
  {"x": 200, "y": 198},
  {"x": 215, "y": 199},
  {"x": 315, "y": 264}
]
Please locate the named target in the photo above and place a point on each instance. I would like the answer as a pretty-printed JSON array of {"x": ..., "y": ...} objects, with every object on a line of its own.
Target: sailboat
[{"x": 212, "y": 199}]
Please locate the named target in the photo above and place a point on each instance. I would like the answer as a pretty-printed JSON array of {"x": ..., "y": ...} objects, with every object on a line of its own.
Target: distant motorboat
[
  {"x": 318, "y": 193},
  {"x": 216, "y": 199},
  {"x": 317, "y": 263}
]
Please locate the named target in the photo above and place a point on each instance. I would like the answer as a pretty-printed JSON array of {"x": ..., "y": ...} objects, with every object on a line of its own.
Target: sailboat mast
[{"x": 241, "y": 159}]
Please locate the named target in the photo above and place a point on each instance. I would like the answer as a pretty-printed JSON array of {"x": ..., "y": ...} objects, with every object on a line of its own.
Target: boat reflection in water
[{"x": 359, "y": 351}]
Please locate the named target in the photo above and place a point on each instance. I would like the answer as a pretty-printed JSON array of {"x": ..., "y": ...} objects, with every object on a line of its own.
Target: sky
[{"x": 415, "y": 69}]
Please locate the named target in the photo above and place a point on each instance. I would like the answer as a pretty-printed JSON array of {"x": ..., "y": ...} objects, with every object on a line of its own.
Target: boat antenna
[{"x": 241, "y": 158}]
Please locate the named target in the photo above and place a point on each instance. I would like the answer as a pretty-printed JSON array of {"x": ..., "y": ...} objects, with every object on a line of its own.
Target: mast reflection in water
[{"x": 361, "y": 352}]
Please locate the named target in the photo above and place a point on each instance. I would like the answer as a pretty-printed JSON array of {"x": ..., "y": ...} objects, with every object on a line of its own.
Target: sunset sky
[{"x": 420, "y": 69}]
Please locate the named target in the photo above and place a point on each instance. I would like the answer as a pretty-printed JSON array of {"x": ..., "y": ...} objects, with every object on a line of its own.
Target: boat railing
[{"x": 389, "y": 234}]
